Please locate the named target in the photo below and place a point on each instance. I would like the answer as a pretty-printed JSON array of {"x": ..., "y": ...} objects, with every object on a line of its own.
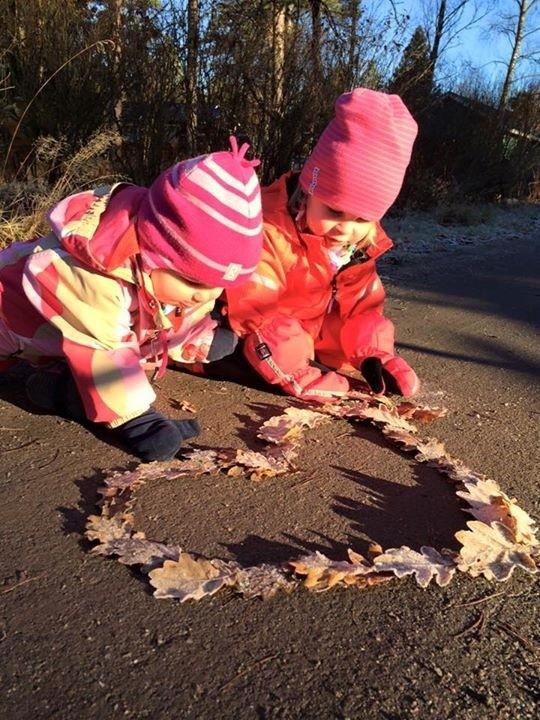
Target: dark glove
[
  {"x": 223, "y": 344},
  {"x": 152, "y": 436},
  {"x": 392, "y": 375}
]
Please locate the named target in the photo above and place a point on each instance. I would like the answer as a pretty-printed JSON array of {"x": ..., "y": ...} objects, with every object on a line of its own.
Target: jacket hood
[{"x": 97, "y": 226}]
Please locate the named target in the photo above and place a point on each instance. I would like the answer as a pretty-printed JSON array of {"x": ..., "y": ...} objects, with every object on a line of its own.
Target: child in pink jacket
[
  {"x": 316, "y": 294},
  {"x": 128, "y": 277}
]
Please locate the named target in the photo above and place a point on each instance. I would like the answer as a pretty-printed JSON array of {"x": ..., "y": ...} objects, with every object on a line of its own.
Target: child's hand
[
  {"x": 392, "y": 375},
  {"x": 152, "y": 436}
]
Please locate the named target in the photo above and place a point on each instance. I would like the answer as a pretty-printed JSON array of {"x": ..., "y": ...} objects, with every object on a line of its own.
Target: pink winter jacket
[{"x": 81, "y": 294}]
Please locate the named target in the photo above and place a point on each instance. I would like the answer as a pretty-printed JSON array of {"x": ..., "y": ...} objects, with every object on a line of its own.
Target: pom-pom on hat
[
  {"x": 202, "y": 218},
  {"x": 359, "y": 162}
]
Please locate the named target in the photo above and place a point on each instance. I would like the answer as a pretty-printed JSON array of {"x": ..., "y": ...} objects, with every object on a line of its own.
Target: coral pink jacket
[{"x": 342, "y": 310}]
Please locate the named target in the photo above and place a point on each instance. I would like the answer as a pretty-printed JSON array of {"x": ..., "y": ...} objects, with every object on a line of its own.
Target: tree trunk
[
  {"x": 278, "y": 54},
  {"x": 191, "y": 75},
  {"x": 316, "y": 34},
  {"x": 524, "y": 6},
  {"x": 439, "y": 30},
  {"x": 116, "y": 11},
  {"x": 353, "y": 44}
]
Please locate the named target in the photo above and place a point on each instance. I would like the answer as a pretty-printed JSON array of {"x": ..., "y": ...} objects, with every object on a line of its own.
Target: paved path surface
[{"x": 81, "y": 637}]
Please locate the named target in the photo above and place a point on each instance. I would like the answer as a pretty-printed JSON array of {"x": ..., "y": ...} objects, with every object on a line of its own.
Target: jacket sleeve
[
  {"x": 365, "y": 332},
  {"x": 253, "y": 304},
  {"x": 92, "y": 314}
]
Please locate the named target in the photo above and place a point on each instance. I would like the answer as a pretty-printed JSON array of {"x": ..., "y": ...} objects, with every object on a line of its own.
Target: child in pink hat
[
  {"x": 128, "y": 278},
  {"x": 316, "y": 294}
]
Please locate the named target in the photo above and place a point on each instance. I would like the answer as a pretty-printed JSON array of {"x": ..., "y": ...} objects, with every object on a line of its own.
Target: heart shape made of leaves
[{"x": 502, "y": 536}]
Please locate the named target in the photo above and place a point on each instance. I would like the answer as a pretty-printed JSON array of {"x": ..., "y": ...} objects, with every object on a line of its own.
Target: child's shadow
[{"x": 392, "y": 514}]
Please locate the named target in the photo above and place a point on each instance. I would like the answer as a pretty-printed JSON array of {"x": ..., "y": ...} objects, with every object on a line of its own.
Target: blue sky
[{"x": 477, "y": 46}]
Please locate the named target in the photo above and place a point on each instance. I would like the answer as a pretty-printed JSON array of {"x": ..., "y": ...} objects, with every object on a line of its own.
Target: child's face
[
  {"x": 336, "y": 225},
  {"x": 171, "y": 288}
]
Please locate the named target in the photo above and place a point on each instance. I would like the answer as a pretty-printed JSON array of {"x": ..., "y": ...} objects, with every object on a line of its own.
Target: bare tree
[
  {"x": 515, "y": 27},
  {"x": 444, "y": 20}
]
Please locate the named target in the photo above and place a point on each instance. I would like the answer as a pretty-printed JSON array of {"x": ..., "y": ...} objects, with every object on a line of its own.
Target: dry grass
[{"x": 23, "y": 205}]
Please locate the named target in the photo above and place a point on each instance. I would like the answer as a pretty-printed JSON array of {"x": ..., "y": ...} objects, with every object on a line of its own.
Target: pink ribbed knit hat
[
  {"x": 360, "y": 160},
  {"x": 202, "y": 218}
]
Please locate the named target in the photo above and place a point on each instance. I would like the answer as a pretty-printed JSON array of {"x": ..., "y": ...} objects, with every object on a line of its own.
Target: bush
[
  {"x": 463, "y": 214},
  {"x": 23, "y": 205}
]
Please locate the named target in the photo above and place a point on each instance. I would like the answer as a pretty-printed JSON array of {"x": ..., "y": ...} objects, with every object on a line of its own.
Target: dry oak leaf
[
  {"x": 263, "y": 581},
  {"x": 491, "y": 550},
  {"x": 422, "y": 413},
  {"x": 195, "y": 462},
  {"x": 322, "y": 573},
  {"x": 371, "y": 399},
  {"x": 104, "y": 529},
  {"x": 425, "y": 565},
  {"x": 139, "y": 551},
  {"x": 431, "y": 450},
  {"x": 289, "y": 426},
  {"x": 489, "y": 503},
  {"x": 189, "y": 578},
  {"x": 262, "y": 465},
  {"x": 380, "y": 414}
]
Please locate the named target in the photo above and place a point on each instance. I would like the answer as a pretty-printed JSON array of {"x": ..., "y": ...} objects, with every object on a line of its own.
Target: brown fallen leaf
[
  {"x": 380, "y": 415},
  {"x": 104, "y": 529},
  {"x": 405, "y": 439},
  {"x": 275, "y": 461},
  {"x": 411, "y": 411},
  {"x": 489, "y": 503},
  {"x": 195, "y": 462},
  {"x": 370, "y": 399},
  {"x": 189, "y": 578},
  {"x": 322, "y": 573},
  {"x": 186, "y": 406},
  {"x": 138, "y": 551},
  {"x": 491, "y": 551},
  {"x": 426, "y": 565},
  {"x": 290, "y": 425},
  {"x": 430, "y": 450},
  {"x": 263, "y": 581}
]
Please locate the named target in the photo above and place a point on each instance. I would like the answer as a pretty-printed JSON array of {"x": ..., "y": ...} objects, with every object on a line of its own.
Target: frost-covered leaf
[
  {"x": 260, "y": 465},
  {"x": 290, "y": 425},
  {"x": 322, "y": 573},
  {"x": 417, "y": 412},
  {"x": 425, "y": 565},
  {"x": 195, "y": 462},
  {"x": 380, "y": 415},
  {"x": 104, "y": 529},
  {"x": 431, "y": 450},
  {"x": 188, "y": 578},
  {"x": 138, "y": 551},
  {"x": 491, "y": 550},
  {"x": 489, "y": 503},
  {"x": 404, "y": 438},
  {"x": 263, "y": 581}
]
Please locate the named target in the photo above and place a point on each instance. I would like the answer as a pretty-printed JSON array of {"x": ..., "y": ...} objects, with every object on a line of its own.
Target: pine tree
[{"x": 413, "y": 78}]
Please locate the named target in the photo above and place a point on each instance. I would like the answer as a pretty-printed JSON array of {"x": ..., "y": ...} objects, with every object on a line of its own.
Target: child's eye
[{"x": 335, "y": 213}]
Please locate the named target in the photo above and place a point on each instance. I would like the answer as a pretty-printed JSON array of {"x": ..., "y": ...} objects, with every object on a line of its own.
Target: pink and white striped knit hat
[
  {"x": 359, "y": 162},
  {"x": 202, "y": 218}
]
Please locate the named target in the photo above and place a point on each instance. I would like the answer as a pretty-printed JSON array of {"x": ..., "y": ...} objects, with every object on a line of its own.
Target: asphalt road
[{"x": 82, "y": 637}]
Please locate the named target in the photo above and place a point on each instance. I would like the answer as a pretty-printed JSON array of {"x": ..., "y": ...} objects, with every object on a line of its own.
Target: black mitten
[
  {"x": 152, "y": 436},
  {"x": 378, "y": 378},
  {"x": 223, "y": 344},
  {"x": 55, "y": 390}
]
